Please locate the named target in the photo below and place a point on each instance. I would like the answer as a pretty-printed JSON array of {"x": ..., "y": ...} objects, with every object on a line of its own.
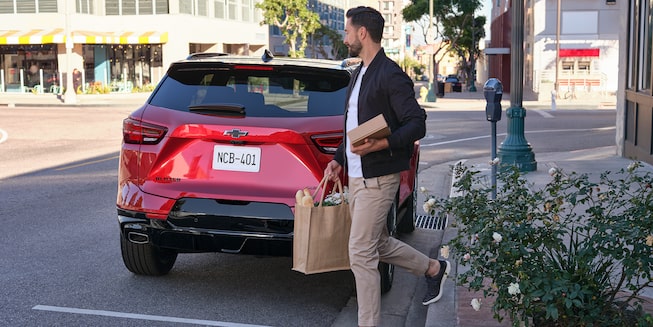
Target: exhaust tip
[{"x": 138, "y": 238}]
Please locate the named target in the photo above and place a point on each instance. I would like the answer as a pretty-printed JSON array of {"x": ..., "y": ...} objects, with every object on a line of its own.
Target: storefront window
[
  {"x": 29, "y": 67},
  {"x": 134, "y": 66}
]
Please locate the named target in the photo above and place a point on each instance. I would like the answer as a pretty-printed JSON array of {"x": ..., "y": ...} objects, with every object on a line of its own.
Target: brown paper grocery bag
[{"x": 321, "y": 236}]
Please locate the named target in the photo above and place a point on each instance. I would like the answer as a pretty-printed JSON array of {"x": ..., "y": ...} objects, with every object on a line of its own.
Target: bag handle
[{"x": 322, "y": 187}]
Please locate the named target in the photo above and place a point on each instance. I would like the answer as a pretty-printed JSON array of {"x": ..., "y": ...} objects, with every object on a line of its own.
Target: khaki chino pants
[{"x": 369, "y": 202}]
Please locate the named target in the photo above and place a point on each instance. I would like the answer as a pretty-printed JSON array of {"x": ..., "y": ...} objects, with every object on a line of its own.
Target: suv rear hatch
[{"x": 241, "y": 131}]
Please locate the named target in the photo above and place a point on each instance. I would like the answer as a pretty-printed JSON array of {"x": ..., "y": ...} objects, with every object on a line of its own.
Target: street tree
[
  {"x": 324, "y": 36},
  {"x": 450, "y": 18},
  {"x": 295, "y": 21}
]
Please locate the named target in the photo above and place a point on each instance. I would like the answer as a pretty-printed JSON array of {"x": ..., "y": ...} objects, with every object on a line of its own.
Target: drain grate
[{"x": 431, "y": 222}]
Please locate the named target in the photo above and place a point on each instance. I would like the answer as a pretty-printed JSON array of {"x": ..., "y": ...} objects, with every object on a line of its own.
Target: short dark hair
[{"x": 370, "y": 18}]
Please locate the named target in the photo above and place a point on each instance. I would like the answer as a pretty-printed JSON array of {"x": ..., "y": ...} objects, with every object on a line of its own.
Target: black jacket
[{"x": 386, "y": 89}]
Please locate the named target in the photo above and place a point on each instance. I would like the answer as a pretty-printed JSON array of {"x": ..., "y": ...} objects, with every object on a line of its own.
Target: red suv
[{"x": 212, "y": 161}]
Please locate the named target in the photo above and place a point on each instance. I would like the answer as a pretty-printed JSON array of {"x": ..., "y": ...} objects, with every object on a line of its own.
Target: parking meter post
[
  {"x": 494, "y": 164},
  {"x": 493, "y": 92}
]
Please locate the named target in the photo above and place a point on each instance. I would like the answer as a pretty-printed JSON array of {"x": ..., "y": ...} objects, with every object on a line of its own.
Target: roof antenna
[{"x": 267, "y": 56}]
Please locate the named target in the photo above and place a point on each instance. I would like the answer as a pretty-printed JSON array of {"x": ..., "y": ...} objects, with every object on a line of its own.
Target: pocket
[{"x": 372, "y": 183}]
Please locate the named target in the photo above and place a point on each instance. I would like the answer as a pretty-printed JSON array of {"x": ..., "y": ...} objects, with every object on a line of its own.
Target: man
[{"x": 379, "y": 86}]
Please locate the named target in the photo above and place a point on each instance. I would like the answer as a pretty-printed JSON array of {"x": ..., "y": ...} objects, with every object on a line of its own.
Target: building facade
[
  {"x": 575, "y": 45},
  {"x": 593, "y": 31},
  {"x": 116, "y": 44},
  {"x": 635, "y": 100}
]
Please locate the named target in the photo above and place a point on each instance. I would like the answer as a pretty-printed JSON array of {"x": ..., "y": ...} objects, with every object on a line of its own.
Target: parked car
[
  {"x": 212, "y": 161},
  {"x": 456, "y": 85}
]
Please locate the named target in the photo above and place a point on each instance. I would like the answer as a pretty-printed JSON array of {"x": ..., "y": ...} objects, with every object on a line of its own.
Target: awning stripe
[
  {"x": 35, "y": 36},
  {"x": 129, "y": 37},
  {"x": 81, "y": 37}
]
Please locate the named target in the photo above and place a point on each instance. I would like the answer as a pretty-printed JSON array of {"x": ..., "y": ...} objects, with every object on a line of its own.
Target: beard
[{"x": 355, "y": 49}]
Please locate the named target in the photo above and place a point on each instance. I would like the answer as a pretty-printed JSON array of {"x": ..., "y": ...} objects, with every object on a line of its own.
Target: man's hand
[
  {"x": 332, "y": 171},
  {"x": 370, "y": 145}
]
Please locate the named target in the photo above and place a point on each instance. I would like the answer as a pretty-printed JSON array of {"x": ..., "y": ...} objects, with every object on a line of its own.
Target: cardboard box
[{"x": 376, "y": 128}]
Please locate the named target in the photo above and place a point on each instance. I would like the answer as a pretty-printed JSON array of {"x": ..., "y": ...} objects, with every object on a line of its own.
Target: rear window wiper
[{"x": 223, "y": 109}]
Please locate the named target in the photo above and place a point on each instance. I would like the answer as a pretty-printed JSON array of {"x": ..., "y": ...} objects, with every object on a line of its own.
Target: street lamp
[{"x": 515, "y": 150}]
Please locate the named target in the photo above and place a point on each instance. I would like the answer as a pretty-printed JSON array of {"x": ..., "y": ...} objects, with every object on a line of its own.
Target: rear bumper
[{"x": 252, "y": 236}]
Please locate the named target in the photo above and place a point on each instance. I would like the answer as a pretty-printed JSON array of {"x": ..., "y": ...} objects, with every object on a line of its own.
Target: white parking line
[
  {"x": 141, "y": 316},
  {"x": 3, "y": 135}
]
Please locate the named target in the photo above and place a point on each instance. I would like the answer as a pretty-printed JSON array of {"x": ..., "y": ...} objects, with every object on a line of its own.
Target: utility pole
[
  {"x": 70, "y": 96},
  {"x": 430, "y": 96},
  {"x": 557, "y": 83},
  {"x": 472, "y": 88},
  {"x": 515, "y": 150}
]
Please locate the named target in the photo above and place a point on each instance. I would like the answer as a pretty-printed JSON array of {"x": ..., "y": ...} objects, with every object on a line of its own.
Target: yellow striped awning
[
  {"x": 92, "y": 37},
  {"x": 39, "y": 36},
  {"x": 35, "y": 36}
]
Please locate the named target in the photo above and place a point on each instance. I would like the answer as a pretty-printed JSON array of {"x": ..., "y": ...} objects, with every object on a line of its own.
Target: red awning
[{"x": 579, "y": 53}]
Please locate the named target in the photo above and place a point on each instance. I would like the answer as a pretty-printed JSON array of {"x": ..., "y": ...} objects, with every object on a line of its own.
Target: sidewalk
[
  {"x": 14, "y": 99},
  {"x": 458, "y": 299},
  {"x": 475, "y": 101}
]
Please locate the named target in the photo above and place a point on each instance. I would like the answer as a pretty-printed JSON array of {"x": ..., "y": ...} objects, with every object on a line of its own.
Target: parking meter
[{"x": 493, "y": 91}]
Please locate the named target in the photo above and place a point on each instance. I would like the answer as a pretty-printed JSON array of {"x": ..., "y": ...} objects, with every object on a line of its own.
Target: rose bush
[{"x": 574, "y": 252}]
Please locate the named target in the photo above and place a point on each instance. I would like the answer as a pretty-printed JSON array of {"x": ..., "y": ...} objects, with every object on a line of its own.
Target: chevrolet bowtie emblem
[{"x": 236, "y": 133}]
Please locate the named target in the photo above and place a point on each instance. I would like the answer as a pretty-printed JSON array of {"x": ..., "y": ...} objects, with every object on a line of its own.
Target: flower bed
[{"x": 576, "y": 252}]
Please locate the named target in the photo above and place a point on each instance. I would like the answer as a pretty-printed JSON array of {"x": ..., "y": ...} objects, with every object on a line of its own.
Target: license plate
[{"x": 236, "y": 158}]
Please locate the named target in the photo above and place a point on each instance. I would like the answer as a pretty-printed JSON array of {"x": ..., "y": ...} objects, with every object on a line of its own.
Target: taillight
[
  {"x": 327, "y": 143},
  {"x": 137, "y": 132}
]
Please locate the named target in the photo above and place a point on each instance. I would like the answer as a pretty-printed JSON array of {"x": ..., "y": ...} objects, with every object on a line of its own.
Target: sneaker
[{"x": 434, "y": 284}]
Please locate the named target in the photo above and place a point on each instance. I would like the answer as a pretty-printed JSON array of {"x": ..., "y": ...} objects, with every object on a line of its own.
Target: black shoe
[{"x": 434, "y": 284}]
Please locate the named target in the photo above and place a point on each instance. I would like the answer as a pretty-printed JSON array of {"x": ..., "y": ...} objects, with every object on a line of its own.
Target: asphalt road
[{"x": 60, "y": 261}]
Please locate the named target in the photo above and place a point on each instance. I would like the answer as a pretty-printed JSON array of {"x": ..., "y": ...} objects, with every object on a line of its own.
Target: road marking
[
  {"x": 3, "y": 135},
  {"x": 598, "y": 129},
  {"x": 116, "y": 314},
  {"x": 86, "y": 163},
  {"x": 544, "y": 113}
]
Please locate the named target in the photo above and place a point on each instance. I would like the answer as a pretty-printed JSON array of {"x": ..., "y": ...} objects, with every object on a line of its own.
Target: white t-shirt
[{"x": 354, "y": 166}]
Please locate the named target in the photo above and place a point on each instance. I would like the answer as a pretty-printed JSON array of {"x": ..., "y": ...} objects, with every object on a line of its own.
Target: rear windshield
[{"x": 263, "y": 91}]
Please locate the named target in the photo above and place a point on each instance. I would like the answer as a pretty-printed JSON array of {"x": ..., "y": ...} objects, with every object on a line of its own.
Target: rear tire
[{"x": 146, "y": 259}]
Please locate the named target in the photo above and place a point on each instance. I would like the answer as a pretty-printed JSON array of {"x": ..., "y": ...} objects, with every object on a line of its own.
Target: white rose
[
  {"x": 423, "y": 189},
  {"x": 467, "y": 256},
  {"x": 497, "y": 237},
  {"x": 444, "y": 251},
  {"x": 426, "y": 207},
  {"x": 476, "y": 304},
  {"x": 431, "y": 201},
  {"x": 553, "y": 171},
  {"x": 513, "y": 289}
]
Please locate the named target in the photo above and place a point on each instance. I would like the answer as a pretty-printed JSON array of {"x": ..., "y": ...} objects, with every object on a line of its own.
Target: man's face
[{"x": 352, "y": 42}]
